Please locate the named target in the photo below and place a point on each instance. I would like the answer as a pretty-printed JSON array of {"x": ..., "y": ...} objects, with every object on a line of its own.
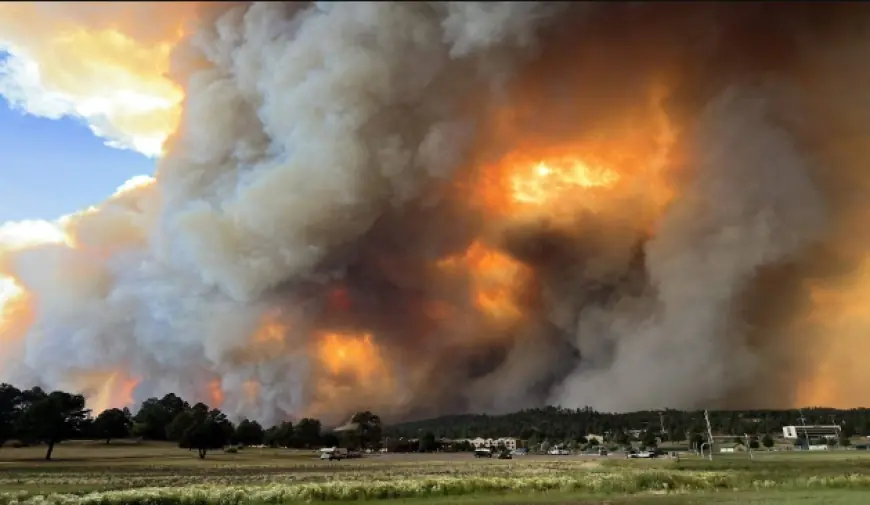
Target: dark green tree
[
  {"x": 307, "y": 433},
  {"x": 368, "y": 429},
  {"x": 280, "y": 436},
  {"x": 428, "y": 442},
  {"x": 622, "y": 438},
  {"x": 112, "y": 423},
  {"x": 249, "y": 433},
  {"x": 649, "y": 438},
  {"x": 53, "y": 419},
  {"x": 155, "y": 415},
  {"x": 10, "y": 403},
  {"x": 767, "y": 440},
  {"x": 844, "y": 440},
  {"x": 847, "y": 430},
  {"x": 330, "y": 440},
  {"x": 178, "y": 426},
  {"x": 209, "y": 431}
]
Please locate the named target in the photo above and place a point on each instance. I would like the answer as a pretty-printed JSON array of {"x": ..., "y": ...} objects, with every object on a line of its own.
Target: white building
[
  {"x": 817, "y": 431},
  {"x": 598, "y": 438},
  {"x": 493, "y": 443}
]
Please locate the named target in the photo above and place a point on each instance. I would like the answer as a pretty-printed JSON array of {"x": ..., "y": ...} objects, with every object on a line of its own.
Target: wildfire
[
  {"x": 496, "y": 280},
  {"x": 546, "y": 181}
]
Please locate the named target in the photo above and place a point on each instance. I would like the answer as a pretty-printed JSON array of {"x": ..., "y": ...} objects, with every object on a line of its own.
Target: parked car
[{"x": 482, "y": 453}]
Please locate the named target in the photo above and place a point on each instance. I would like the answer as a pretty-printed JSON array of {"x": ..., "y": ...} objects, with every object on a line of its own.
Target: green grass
[{"x": 90, "y": 473}]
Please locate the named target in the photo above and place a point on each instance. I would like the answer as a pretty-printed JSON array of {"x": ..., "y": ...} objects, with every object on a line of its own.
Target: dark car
[{"x": 505, "y": 455}]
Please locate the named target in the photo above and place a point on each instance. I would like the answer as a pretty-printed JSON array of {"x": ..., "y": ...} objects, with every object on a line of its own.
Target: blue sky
[{"x": 49, "y": 168}]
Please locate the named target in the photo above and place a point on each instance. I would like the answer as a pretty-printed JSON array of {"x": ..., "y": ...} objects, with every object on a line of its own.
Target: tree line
[
  {"x": 33, "y": 416},
  {"x": 561, "y": 426}
]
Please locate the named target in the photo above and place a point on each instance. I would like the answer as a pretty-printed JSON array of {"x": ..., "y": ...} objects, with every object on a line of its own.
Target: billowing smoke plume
[{"x": 422, "y": 208}]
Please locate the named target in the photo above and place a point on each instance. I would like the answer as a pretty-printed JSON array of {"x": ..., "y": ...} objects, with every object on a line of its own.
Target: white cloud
[{"x": 23, "y": 86}]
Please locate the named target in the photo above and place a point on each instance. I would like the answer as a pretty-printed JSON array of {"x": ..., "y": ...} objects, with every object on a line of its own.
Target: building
[
  {"x": 508, "y": 443},
  {"x": 731, "y": 447},
  {"x": 598, "y": 438},
  {"x": 813, "y": 432}
]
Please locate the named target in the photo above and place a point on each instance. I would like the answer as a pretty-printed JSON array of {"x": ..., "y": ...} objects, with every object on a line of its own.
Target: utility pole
[
  {"x": 662, "y": 422},
  {"x": 748, "y": 445},
  {"x": 709, "y": 433}
]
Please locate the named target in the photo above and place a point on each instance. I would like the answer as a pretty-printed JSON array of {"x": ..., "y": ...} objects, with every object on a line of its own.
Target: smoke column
[{"x": 428, "y": 208}]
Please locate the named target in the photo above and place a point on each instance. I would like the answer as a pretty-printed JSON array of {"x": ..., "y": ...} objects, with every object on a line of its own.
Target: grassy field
[{"x": 156, "y": 474}]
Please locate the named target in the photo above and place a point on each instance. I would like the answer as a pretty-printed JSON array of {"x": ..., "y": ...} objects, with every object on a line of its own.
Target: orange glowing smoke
[
  {"x": 351, "y": 370},
  {"x": 11, "y": 302},
  {"x": 16, "y": 312},
  {"x": 106, "y": 389},
  {"x": 623, "y": 159},
  {"x": 522, "y": 185},
  {"x": 266, "y": 341},
  {"x": 351, "y": 355},
  {"x": 836, "y": 367},
  {"x": 16, "y": 315},
  {"x": 271, "y": 330},
  {"x": 215, "y": 394},
  {"x": 497, "y": 280},
  {"x": 546, "y": 181},
  {"x": 117, "y": 392},
  {"x": 251, "y": 389}
]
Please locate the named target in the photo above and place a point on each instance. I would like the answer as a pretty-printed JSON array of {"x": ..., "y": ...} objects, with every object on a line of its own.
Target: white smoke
[{"x": 303, "y": 125}]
